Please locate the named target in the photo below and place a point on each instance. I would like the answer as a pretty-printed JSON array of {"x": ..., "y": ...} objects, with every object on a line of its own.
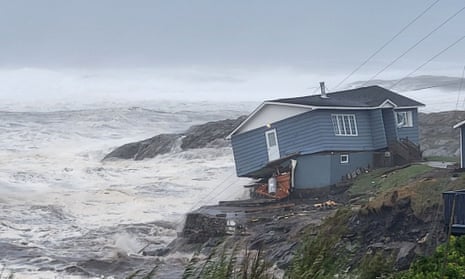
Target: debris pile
[{"x": 282, "y": 190}]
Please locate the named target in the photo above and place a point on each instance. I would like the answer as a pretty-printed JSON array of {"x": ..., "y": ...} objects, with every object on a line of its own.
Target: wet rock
[
  {"x": 283, "y": 255},
  {"x": 211, "y": 134},
  {"x": 200, "y": 227},
  {"x": 148, "y": 148},
  {"x": 76, "y": 270},
  {"x": 405, "y": 255},
  {"x": 157, "y": 253}
]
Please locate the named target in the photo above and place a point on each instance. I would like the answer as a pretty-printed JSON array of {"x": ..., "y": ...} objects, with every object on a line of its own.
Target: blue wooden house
[
  {"x": 330, "y": 136},
  {"x": 461, "y": 125}
]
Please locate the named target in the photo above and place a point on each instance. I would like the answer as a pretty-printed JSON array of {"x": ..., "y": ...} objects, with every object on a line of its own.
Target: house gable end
[
  {"x": 388, "y": 104},
  {"x": 268, "y": 113}
]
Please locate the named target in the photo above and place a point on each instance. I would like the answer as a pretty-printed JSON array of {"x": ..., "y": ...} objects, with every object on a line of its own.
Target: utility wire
[
  {"x": 386, "y": 44},
  {"x": 429, "y": 60},
  {"x": 460, "y": 89},
  {"x": 415, "y": 45}
]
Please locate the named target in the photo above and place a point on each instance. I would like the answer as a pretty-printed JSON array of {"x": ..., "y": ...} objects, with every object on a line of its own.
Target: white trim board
[{"x": 268, "y": 113}]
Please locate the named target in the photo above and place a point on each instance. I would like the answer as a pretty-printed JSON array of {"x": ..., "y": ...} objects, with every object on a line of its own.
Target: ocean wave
[{"x": 64, "y": 211}]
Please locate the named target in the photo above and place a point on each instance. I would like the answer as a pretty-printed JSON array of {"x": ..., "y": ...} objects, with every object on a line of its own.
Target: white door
[{"x": 272, "y": 145}]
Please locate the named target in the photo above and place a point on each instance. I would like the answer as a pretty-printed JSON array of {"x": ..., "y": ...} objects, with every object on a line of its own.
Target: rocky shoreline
[
  {"x": 279, "y": 229},
  {"x": 211, "y": 134}
]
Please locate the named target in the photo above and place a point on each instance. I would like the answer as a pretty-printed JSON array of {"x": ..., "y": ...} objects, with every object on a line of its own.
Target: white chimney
[{"x": 323, "y": 90}]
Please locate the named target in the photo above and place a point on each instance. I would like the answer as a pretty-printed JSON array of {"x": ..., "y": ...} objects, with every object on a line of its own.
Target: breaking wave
[{"x": 64, "y": 211}]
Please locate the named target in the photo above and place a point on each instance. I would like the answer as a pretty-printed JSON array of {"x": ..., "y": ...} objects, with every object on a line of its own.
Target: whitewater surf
[{"x": 65, "y": 212}]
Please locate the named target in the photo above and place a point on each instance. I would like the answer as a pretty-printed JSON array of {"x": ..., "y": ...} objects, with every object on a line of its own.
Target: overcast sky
[{"x": 97, "y": 44}]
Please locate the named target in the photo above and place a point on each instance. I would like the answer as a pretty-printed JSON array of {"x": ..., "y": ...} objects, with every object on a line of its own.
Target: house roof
[
  {"x": 364, "y": 97},
  {"x": 460, "y": 124},
  {"x": 370, "y": 97}
]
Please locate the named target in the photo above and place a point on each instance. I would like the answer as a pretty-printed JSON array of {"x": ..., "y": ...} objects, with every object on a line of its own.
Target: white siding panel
[{"x": 269, "y": 114}]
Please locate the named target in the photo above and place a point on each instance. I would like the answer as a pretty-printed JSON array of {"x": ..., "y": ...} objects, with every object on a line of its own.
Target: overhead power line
[
  {"x": 386, "y": 44},
  {"x": 460, "y": 89},
  {"x": 415, "y": 45},
  {"x": 429, "y": 60}
]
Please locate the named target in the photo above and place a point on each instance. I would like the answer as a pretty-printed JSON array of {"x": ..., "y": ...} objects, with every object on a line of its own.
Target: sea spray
[{"x": 64, "y": 211}]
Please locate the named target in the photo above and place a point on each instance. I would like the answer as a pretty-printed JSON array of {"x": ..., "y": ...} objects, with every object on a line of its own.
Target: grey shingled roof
[{"x": 370, "y": 96}]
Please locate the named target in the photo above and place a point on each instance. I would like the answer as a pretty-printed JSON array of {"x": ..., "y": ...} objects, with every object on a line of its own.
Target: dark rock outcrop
[
  {"x": 437, "y": 137},
  {"x": 148, "y": 148},
  {"x": 195, "y": 228},
  {"x": 211, "y": 134}
]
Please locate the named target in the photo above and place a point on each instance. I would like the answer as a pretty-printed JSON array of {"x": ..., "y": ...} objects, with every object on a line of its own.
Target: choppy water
[{"x": 64, "y": 213}]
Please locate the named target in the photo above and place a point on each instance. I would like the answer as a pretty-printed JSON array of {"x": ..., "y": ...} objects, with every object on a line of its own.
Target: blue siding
[
  {"x": 313, "y": 132},
  {"x": 249, "y": 151},
  {"x": 410, "y": 132},
  {"x": 390, "y": 125},
  {"x": 377, "y": 129},
  {"x": 320, "y": 170},
  {"x": 357, "y": 160},
  {"x": 307, "y": 133},
  {"x": 313, "y": 171}
]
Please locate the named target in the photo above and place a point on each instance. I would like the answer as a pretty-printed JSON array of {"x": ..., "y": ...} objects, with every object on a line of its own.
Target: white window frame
[
  {"x": 404, "y": 119},
  {"x": 275, "y": 146},
  {"x": 344, "y": 158},
  {"x": 344, "y": 124}
]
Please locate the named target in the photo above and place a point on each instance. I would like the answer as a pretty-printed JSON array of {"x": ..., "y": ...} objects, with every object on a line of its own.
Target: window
[
  {"x": 404, "y": 119},
  {"x": 344, "y": 124},
  {"x": 271, "y": 138},
  {"x": 344, "y": 158}
]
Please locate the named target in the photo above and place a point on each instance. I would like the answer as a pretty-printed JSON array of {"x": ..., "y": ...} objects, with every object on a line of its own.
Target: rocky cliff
[{"x": 211, "y": 134}]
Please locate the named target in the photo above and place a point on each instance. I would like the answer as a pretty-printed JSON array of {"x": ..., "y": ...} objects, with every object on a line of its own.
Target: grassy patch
[
  {"x": 443, "y": 159},
  {"x": 436, "y": 265},
  {"x": 424, "y": 193},
  {"x": 376, "y": 265},
  {"x": 317, "y": 258},
  {"x": 334, "y": 250},
  {"x": 224, "y": 263},
  {"x": 376, "y": 181}
]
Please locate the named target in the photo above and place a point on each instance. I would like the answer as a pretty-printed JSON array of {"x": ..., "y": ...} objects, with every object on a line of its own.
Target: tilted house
[{"x": 331, "y": 136}]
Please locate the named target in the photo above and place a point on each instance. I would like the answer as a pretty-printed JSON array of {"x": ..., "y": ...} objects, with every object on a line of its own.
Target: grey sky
[
  {"x": 319, "y": 37},
  {"x": 315, "y": 34}
]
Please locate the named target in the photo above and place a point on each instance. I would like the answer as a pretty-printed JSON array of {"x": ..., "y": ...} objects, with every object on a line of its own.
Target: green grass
[
  {"x": 325, "y": 251},
  {"x": 443, "y": 159},
  {"x": 424, "y": 191},
  {"x": 375, "y": 182},
  {"x": 316, "y": 258},
  {"x": 224, "y": 263},
  {"x": 436, "y": 266}
]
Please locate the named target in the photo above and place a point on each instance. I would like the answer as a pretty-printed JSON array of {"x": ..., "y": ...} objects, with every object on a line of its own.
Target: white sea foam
[{"x": 60, "y": 204}]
